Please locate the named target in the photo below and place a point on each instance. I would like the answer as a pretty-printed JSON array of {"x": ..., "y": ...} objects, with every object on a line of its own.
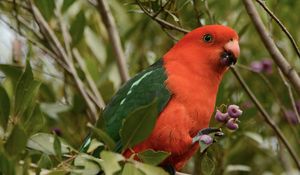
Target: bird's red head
[{"x": 213, "y": 46}]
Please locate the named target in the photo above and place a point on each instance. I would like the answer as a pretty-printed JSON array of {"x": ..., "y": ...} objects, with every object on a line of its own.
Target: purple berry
[
  {"x": 267, "y": 66},
  {"x": 291, "y": 117},
  {"x": 207, "y": 139},
  {"x": 256, "y": 66},
  {"x": 234, "y": 111},
  {"x": 57, "y": 131},
  {"x": 231, "y": 124},
  {"x": 221, "y": 117}
]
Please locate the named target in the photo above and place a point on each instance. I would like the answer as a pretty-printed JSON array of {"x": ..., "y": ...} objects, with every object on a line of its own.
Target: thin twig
[
  {"x": 109, "y": 22},
  {"x": 277, "y": 56},
  {"x": 17, "y": 3},
  {"x": 160, "y": 21},
  {"x": 287, "y": 84},
  {"x": 267, "y": 117},
  {"x": 99, "y": 100},
  {"x": 283, "y": 28},
  {"x": 161, "y": 9},
  {"x": 50, "y": 35}
]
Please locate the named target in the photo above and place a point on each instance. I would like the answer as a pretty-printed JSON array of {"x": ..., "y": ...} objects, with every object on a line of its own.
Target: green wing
[{"x": 139, "y": 91}]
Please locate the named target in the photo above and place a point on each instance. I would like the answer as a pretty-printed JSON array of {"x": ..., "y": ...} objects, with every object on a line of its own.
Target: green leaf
[
  {"x": 153, "y": 157},
  {"x": 130, "y": 169},
  {"x": 16, "y": 141},
  {"x": 35, "y": 121},
  {"x": 150, "y": 169},
  {"x": 207, "y": 165},
  {"x": 4, "y": 107},
  {"x": 138, "y": 125},
  {"x": 77, "y": 28},
  {"x": 110, "y": 163},
  {"x": 45, "y": 162},
  {"x": 103, "y": 136},
  {"x": 12, "y": 72},
  {"x": 58, "y": 172},
  {"x": 57, "y": 147},
  {"x": 94, "y": 145},
  {"x": 46, "y": 7},
  {"x": 66, "y": 5},
  {"x": 44, "y": 142},
  {"x": 6, "y": 165},
  {"x": 26, "y": 90},
  {"x": 89, "y": 163}
]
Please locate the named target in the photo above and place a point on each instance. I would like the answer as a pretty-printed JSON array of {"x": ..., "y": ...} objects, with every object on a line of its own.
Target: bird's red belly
[{"x": 173, "y": 133}]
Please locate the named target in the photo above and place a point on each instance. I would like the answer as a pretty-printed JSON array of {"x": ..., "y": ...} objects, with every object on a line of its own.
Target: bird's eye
[{"x": 207, "y": 38}]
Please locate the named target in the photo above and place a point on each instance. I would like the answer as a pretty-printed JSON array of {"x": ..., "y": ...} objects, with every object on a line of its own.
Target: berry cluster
[{"x": 230, "y": 117}]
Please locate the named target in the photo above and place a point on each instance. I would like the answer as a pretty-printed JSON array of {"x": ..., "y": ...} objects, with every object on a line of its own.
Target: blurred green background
[{"x": 253, "y": 149}]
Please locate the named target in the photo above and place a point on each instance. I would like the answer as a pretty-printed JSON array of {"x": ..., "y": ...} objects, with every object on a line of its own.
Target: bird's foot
[
  {"x": 170, "y": 169},
  {"x": 207, "y": 131}
]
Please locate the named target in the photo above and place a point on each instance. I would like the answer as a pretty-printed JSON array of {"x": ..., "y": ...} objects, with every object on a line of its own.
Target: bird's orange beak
[
  {"x": 231, "y": 53},
  {"x": 233, "y": 47}
]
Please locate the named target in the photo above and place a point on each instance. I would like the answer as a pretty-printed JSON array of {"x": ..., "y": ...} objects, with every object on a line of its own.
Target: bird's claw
[{"x": 207, "y": 131}]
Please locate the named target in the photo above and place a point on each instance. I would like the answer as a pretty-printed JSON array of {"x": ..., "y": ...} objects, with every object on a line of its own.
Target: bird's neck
[{"x": 195, "y": 85}]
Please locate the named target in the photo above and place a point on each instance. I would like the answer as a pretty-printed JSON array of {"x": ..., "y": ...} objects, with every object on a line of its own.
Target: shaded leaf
[
  {"x": 6, "y": 165},
  {"x": 44, "y": 142},
  {"x": 45, "y": 162},
  {"x": 26, "y": 90},
  {"x": 12, "y": 72},
  {"x": 110, "y": 163},
  {"x": 103, "y": 136},
  {"x": 207, "y": 165},
  {"x": 46, "y": 7},
  {"x": 4, "y": 107},
  {"x": 153, "y": 157},
  {"x": 138, "y": 125},
  {"x": 57, "y": 147},
  {"x": 77, "y": 28},
  {"x": 35, "y": 121},
  {"x": 16, "y": 141}
]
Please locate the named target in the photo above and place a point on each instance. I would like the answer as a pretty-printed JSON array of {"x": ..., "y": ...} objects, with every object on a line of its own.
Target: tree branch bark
[
  {"x": 290, "y": 73},
  {"x": 109, "y": 22}
]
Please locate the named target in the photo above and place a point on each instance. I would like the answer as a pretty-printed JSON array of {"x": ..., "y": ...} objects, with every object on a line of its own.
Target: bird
[{"x": 185, "y": 83}]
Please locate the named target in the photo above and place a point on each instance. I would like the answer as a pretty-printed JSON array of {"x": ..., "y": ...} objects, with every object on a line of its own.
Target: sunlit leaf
[
  {"x": 153, "y": 157},
  {"x": 86, "y": 164},
  {"x": 44, "y": 142},
  {"x": 103, "y": 136},
  {"x": 130, "y": 169},
  {"x": 110, "y": 163},
  {"x": 150, "y": 170}
]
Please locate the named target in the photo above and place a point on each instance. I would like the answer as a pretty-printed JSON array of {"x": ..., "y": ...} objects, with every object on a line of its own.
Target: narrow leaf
[
  {"x": 57, "y": 147},
  {"x": 16, "y": 141},
  {"x": 26, "y": 90},
  {"x": 138, "y": 125},
  {"x": 46, "y": 7},
  {"x": 103, "y": 136},
  {"x": 77, "y": 28},
  {"x": 4, "y": 107}
]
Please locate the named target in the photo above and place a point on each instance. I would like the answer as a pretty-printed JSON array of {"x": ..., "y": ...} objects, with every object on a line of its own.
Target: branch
[
  {"x": 108, "y": 20},
  {"x": 283, "y": 28},
  {"x": 280, "y": 60},
  {"x": 160, "y": 21},
  {"x": 267, "y": 117},
  {"x": 58, "y": 49}
]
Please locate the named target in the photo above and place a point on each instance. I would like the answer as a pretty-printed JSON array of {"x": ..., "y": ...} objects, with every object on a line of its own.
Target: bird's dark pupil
[{"x": 207, "y": 38}]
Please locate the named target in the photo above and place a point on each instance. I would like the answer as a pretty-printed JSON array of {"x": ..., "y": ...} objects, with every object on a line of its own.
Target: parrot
[{"x": 185, "y": 83}]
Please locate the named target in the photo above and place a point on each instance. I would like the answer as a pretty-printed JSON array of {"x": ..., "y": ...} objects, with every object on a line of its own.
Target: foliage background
[{"x": 51, "y": 103}]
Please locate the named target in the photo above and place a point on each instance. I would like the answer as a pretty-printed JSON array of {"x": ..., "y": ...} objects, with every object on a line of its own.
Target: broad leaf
[
  {"x": 130, "y": 169},
  {"x": 102, "y": 136},
  {"x": 77, "y": 28},
  {"x": 45, "y": 162},
  {"x": 35, "y": 121},
  {"x": 4, "y": 107},
  {"x": 149, "y": 169},
  {"x": 26, "y": 90},
  {"x": 110, "y": 163},
  {"x": 44, "y": 142},
  {"x": 12, "y": 72},
  {"x": 153, "y": 157},
  {"x": 138, "y": 125},
  {"x": 86, "y": 164},
  {"x": 16, "y": 141}
]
